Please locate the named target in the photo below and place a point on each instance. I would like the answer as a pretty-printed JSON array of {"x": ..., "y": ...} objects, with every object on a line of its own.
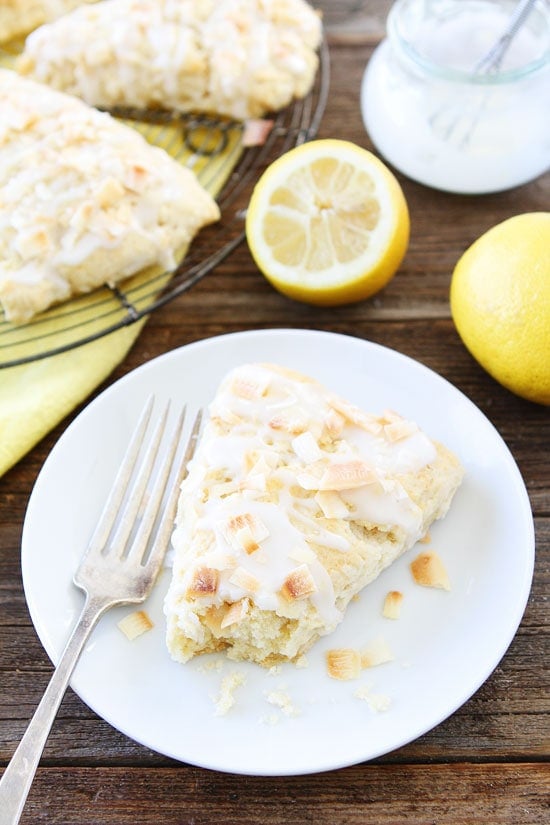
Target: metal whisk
[
  {"x": 450, "y": 124},
  {"x": 490, "y": 63}
]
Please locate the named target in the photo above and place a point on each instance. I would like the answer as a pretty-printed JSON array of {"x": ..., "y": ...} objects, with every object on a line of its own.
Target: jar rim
[{"x": 395, "y": 32}]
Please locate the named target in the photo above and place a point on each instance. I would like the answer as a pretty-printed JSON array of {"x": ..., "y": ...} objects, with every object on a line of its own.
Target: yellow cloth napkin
[{"x": 36, "y": 396}]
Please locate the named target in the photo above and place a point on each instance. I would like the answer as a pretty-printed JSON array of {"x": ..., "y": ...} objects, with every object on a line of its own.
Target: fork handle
[{"x": 17, "y": 779}]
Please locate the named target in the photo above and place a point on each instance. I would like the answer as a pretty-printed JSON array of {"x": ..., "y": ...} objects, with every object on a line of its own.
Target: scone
[
  {"x": 84, "y": 200},
  {"x": 295, "y": 501},
  {"x": 239, "y": 58},
  {"x": 18, "y": 17}
]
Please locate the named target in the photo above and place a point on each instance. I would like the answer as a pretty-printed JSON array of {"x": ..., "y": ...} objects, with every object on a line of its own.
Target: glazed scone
[
  {"x": 84, "y": 199},
  {"x": 18, "y": 17},
  {"x": 239, "y": 58},
  {"x": 295, "y": 500}
]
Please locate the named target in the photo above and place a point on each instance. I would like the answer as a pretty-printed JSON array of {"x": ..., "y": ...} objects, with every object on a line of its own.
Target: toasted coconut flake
[
  {"x": 256, "y": 525},
  {"x": 390, "y": 417},
  {"x": 245, "y": 539},
  {"x": 134, "y": 624},
  {"x": 225, "y": 488},
  {"x": 306, "y": 448},
  {"x": 308, "y": 481},
  {"x": 245, "y": 532},
  {"x": 254, "y": 481},
  {"x": 376, "y": 653},
  {"x": 294, "y": 425},
  {"x": 204, "y": 583},
  {"x": 398, "y": 430},
  {"x": 236, "y": 613},
  {"x": 261, "y": 467},
  {"x": 248, "y": 387},
  {"x": 347, "y": 476},
  {"x": 302, "y": 554},
  {"x": 343, "y": 663},
  {"x": 392, "y": 604},
  {"x": 429, "y": 571},
  {"x": 225, "y": 415},
  {"x": 242, "y": 578},
  {"x": 298, "y": 584},
  {"x": 213, "y": 618},
  {"x": 332, "y": 504},
  {"x": 256, "y": 131},
  {"x": 367, "y": 422},
  {"x": 334, "y": 423}
]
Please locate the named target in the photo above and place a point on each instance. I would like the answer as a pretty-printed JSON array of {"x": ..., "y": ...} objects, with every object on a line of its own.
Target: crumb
[
  {"x": 376, "y": 701},
  {"x": 426, "y": 539},
  {"x": 135, "y": 624},
  {"x": 429, "y": 571},
  {"x": 226, "y": 698},
  {"x": 376, "y": 653},
  {"x": 212, "y": 664},
  {"x": 302, "y": 661},
  {"x": 281, "y": 699},
  {"x": 392, "y": 604},
  {"x": 275, "y": 670}
]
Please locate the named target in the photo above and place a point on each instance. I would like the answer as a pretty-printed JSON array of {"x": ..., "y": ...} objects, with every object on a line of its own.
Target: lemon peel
[{"x": 500, "y": 303}]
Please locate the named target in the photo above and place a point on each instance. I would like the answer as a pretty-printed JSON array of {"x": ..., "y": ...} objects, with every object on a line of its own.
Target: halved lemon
[{"x": 328, "y": 223}]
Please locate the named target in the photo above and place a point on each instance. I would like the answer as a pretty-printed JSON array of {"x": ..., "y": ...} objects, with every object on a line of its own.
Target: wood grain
[
  {"x": 489, "y": 761},
  {"x": 384, "y": 794}
]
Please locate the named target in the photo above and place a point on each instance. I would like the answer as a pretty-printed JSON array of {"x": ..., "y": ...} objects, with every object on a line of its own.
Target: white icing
[
  {"x": 287, "y": 524},
  {"x": 240, "y": 58},
  {"x": 74, "y": 181}
]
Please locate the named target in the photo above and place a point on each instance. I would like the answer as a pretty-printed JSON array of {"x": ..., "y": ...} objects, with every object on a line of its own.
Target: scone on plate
[
  {"x": 239, "y": 58},
  {"x": 18, "y": 17},
  {"x": 295, "y": 501},
  {"x": 84, "y": 199}
]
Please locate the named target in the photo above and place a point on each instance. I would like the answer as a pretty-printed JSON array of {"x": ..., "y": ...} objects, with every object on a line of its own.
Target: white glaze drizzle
[{"x": 234, "y": 455}]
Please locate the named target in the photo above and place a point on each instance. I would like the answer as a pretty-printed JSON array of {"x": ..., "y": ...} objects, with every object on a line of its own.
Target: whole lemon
[{"x": 500, "y": 303}]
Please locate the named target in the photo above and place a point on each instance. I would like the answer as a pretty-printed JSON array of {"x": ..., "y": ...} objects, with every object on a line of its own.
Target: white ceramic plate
[{"x": 445, "y": 644}]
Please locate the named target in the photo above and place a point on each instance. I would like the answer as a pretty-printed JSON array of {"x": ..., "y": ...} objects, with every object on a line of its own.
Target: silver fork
[{"x": 117, "y": 568}]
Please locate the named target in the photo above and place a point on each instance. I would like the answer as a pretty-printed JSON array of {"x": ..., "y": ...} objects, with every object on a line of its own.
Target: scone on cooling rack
[
  {"x": 18, "y": 17},
  {"x": 84, "y": 199},
  {"x": 236, "y": 58},
  {"x": 295, "y": 500}
]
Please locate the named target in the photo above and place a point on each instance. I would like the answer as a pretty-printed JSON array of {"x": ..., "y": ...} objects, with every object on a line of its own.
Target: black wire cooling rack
[{"x": 203, "y": 142}]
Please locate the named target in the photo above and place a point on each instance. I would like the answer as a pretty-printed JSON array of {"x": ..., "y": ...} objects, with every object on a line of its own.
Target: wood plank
[{"x": 387, "y": 795}]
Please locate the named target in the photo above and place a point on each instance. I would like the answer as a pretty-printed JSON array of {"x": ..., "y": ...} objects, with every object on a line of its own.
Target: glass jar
[{"x": 436, "y": 120}]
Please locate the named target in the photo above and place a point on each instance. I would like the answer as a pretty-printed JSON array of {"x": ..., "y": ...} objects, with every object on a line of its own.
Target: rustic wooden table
[{"x": 488, "y": 762}]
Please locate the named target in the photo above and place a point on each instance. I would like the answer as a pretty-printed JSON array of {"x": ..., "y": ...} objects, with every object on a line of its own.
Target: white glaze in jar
[{"x": 437, "y": 123}]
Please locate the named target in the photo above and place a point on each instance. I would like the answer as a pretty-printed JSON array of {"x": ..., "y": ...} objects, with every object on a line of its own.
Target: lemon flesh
[
  {"x": 500, "y": 303},
  {"x": 328, "y": 223}
]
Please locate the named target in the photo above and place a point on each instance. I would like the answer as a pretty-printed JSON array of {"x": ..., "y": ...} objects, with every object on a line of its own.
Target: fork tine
[
  {"x": 122, "y": 480},
  {"x": 166, "y": 525},
  {"x": 141, "y": 539},
  {"x": 133, "y": 504}
]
